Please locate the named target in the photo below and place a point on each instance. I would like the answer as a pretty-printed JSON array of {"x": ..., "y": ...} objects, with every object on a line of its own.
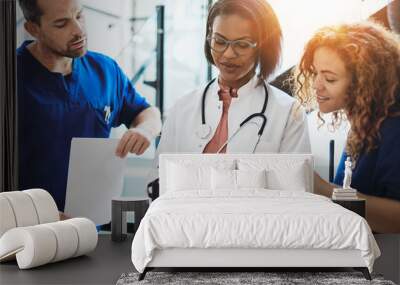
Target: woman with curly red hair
[{"x": 353, "y": 71}]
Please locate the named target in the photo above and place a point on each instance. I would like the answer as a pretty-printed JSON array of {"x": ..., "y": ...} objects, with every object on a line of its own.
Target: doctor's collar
[{"x": 250, "y": 84}]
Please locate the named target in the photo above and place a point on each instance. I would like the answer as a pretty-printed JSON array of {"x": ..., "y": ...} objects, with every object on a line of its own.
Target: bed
[{"x": 247, "y": 211}]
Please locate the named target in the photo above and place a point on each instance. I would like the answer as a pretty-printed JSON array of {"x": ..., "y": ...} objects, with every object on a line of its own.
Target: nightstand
[
  {"x": 357, "y": 206},
  {"x": 120, "y": 206}
]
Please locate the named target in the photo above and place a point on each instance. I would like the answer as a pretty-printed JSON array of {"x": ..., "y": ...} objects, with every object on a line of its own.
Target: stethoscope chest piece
[{"x": 203, "y": 131}]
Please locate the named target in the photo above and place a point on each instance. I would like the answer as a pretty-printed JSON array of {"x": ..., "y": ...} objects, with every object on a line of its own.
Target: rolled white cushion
[
  {"x": 37, "y": 245},
  {"x": 7, "y": 218},
  {"x": 67, "y": 240},
  {"x": 33, "y": 246},
  {"x": 87, "y": 235},
  {"x": 46, "y": 208},
  {"x": 23, "y": 208},
  {"x": 26, "y": 208}
]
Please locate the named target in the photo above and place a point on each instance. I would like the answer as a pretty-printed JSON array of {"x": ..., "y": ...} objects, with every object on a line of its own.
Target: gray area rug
[{"x": 269, "y": 278}]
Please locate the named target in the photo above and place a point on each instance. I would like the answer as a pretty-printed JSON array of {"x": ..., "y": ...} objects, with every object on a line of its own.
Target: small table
[
  {"x": 357, "y": 206},
  {"x": 120, "y": 206}
]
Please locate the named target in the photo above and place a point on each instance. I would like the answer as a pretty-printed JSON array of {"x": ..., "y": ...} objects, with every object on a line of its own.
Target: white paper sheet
[{"x": 95, "y": 176}]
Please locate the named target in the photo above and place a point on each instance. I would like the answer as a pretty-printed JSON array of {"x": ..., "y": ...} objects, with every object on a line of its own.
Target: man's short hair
[{"x": 31, "y": 10}]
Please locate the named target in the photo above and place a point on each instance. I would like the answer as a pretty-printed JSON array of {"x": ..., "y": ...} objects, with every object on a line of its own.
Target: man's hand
[
  {"x": 133, "y": 141},
  {"x": 63, "y": 216},
  {"x": 144, "y": 128}
]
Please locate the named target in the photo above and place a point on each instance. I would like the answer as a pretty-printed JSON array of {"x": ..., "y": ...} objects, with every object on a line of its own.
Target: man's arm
[
  {"x": 144, "y": 128},
  {"x": 383, "y": 214}
]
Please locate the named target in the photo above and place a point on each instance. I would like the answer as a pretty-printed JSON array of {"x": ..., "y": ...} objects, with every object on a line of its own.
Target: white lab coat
[{"x": 286, "y": 130}]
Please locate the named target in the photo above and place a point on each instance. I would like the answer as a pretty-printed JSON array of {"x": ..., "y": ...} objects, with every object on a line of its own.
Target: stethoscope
[{"x": 204, "y": 131}]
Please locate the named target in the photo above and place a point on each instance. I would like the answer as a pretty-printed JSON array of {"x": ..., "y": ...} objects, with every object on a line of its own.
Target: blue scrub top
[
  {"x": 377, "y": 173},
  {"x": 52, "y": 109}
]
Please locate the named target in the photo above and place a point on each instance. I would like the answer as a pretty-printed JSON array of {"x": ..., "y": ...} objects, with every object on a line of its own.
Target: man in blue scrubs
[{"x": 65, "y": 91}]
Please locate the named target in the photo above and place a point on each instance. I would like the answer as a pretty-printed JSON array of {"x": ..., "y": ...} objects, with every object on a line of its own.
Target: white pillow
[
  {"x": 251, "y": 178},
  {"x": 184, "y": 177},
  {"x": 292, "y": 179},
  {"x": 237, "y": 179},
  {"x": 223, "y": 179},
  {"x": 281, "y": 174}
]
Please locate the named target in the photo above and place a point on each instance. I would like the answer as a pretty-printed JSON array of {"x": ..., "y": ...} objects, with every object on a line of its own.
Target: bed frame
[{"x": 248, "y": 259}]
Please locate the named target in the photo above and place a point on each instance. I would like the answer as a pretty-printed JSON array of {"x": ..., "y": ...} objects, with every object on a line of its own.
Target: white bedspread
[{"x": 250, "y": 219}]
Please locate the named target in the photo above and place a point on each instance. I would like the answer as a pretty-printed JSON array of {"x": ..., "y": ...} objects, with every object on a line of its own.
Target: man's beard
[
  {"x": 69, "y": 52},
  {"x": 76, "y": 53}
]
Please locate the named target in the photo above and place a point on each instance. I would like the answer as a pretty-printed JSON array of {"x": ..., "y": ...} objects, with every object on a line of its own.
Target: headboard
[{"x": 204, "y": 160}]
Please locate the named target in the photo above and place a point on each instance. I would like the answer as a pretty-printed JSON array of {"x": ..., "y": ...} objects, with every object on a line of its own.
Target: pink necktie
[{"x": 221, "y": 133}]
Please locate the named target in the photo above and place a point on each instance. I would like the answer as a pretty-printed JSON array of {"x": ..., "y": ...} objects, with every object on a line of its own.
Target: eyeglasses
[{"x": 240, "y": 47}]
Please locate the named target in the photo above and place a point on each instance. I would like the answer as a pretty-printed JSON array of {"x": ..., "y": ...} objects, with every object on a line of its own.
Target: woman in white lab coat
[{"x": 243, "y": 41}]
